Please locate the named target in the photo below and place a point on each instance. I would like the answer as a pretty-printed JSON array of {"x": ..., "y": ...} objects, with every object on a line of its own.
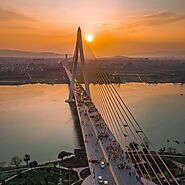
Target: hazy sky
[{"x": 120, "y": 27}]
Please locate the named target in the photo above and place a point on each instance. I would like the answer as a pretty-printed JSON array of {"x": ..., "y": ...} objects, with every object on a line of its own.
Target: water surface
[
  {"x": 159, "y": 109},
  {"x": 35, "y": 119}
]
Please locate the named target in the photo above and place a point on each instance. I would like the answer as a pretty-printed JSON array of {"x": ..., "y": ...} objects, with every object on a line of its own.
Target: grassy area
[
  {"x": 75, "y": 162},
  {"x": 176, "y": 171},
  {"x": 2, "y": 169},
  {"x": 5, "y": 175},
  {"x": 46, "y": 176},
  {"x": 179, "y": 159}
]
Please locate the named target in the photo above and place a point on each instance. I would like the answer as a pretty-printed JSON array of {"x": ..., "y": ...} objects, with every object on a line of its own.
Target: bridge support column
[{"x": 78, "y": 50}]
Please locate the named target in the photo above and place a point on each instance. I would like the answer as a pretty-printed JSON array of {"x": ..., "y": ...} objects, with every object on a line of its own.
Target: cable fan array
[{"x": 125, "y": 127}]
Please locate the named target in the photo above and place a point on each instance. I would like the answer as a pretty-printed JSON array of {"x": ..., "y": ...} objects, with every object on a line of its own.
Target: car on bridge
[
  {"x": 106, "y": 182},
  {"x": 100, "y": 179},
  {"x": 102, "y": 164}
]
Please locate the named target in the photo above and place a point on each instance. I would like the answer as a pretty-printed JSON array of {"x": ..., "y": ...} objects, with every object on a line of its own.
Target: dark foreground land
[
  {"x": 14, "y": 70},
  {"x": 50, "y": 173},
  {"x": 45, "y": 176},
  {"x": 49, "y": 176}
]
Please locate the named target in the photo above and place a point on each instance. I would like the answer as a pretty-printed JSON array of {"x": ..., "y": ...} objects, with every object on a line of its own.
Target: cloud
[
  {"x": 131, "y": 24},
  {"x": 152, "y": 20},
  {"x": 7, "y": 15},
  {"x": 161, "y": 18},
  {"x": 102, "y": 23}
]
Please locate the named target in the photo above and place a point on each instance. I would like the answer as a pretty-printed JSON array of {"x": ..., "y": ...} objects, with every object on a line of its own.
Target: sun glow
[{"x": 89, "y": 37}]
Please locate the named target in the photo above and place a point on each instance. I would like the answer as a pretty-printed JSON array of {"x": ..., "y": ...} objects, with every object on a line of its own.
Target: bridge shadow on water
[{"x": 76, "y": 122}]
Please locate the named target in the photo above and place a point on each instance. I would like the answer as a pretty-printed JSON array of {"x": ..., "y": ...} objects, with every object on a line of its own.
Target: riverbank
[
  {"x": 55, "y": 82},
  {"x": 43, "y": 175},
  {"x": 27, "y": 82},
  {"x": 45, "y": 170},
  {"x": 53, "y": 171}
]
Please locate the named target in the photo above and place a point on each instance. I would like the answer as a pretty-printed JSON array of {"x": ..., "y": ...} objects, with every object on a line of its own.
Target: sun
[{"x": 89, "y": 37}]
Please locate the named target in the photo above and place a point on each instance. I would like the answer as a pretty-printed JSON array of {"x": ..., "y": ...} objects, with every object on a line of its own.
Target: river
[{"x": 35, "y": 119}]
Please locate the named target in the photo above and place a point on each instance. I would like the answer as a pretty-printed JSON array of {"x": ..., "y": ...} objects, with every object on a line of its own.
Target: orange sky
[{"x": 120, "y": 27}]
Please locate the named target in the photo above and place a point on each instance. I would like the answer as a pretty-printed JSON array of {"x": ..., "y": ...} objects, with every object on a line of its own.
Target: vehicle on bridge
[
  {"x": 102, "y": 164},
  {"x": 100, "y": 179},
  {"x": 105, "y": 182}
]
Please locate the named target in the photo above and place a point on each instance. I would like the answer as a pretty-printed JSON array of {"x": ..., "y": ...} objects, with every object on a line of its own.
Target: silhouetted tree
[
  {"x": 27, "y": 158},
  {"x": 33, "y": 164},
  {"x": 16, "y": 160}
]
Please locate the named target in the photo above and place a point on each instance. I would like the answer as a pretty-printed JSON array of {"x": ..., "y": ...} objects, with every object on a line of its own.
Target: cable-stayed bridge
[{"x": 118, "y": 150}]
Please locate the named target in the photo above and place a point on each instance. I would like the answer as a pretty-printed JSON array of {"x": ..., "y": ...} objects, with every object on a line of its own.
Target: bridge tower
[{"x": 78, "y": 51}]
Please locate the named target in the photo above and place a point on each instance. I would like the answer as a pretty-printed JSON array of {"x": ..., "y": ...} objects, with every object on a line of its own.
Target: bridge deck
[{"x": 101, "y": 145}]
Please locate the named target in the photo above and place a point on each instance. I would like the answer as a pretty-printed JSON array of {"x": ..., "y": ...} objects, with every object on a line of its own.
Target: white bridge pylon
[{"x": 78, "y": 51}]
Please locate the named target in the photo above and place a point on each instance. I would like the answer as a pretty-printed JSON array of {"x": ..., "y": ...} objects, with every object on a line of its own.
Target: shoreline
[
  {"x": 66, "y": 163},
  {"x": 16, "y": 83}
]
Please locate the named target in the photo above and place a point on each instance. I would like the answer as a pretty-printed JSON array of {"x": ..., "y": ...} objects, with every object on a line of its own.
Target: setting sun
[{"x": 89, "y": 38}]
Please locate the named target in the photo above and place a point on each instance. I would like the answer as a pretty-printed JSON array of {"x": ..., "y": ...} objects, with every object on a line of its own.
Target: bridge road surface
[
  {"x": 91, "y": 128},
  {"x": 93, "y": 149},
  {"x": 96, "y": 148}
]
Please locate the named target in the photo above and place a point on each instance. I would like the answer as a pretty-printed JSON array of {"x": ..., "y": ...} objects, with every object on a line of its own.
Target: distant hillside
[{"x": 29, "y": 54}]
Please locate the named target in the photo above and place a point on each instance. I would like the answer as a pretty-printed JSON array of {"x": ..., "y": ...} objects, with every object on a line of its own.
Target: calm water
[
  {"x": 159, "y": 109},
  {"x": 35, "y": 119}
]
